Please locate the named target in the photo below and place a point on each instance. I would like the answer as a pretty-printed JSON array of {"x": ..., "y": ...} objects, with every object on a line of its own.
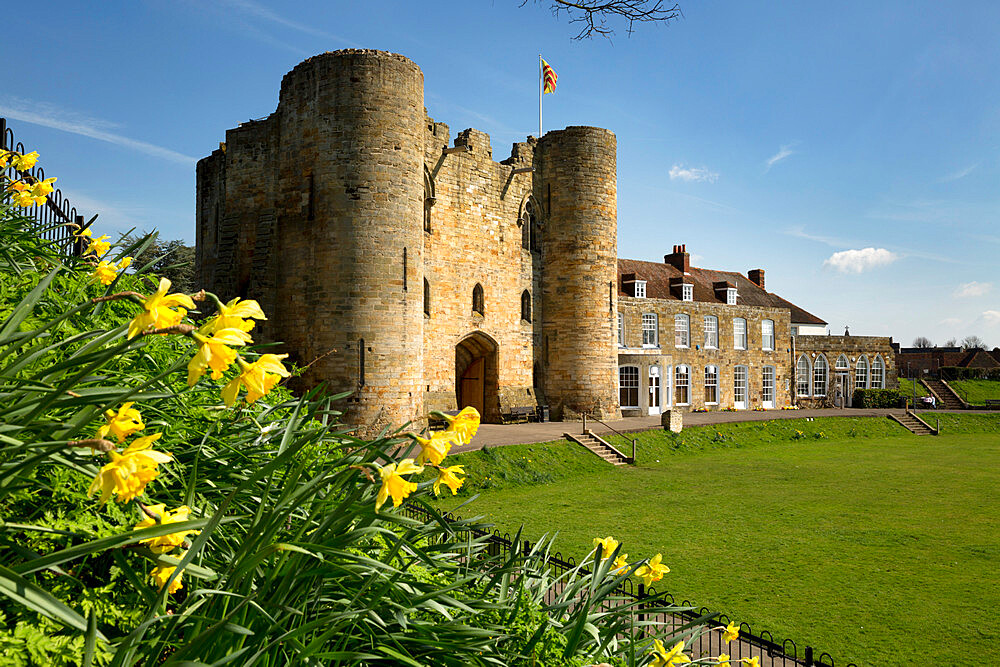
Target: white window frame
[
  {"x": 745, "y": 372},
  {"x": 731, "y": 296},
  {"x": 803, "y": 377},
  {"x": 682, "y": 330},
  {"x": 767, "y": 338},
  {"x": 861, "y": 378},
  {"x": 795, "y": 331},
  {"x": 764, "y": 387},
  {"x": 640, "y": 289},
  {"x": 711, "y": 332},
  {"x": 820, "y": 376},
  {"x": 739, "y": 339},
  {"x": 877, "y": 363},
  {"x": 846, "y": 368},
  {"x": 682, "y": 372},
  {"x": 712, "y": 382},
  {"x": 621, "y": 329},
  {"x": 687, "y": 292},
  {"x": 650, "y": 334},
  {"x": 625, "y": 376}
]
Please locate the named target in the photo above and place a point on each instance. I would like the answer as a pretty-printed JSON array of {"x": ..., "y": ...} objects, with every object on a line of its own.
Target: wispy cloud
[
  {"x": 991, "y": 317},
  {"x": 692, "y": 174},
  {"x": 961, "y": 173},
  {"x": 951, "y": 321},
  {"x": 972, "y": 289},
  {"x": 860, "y": 260},
  {"x": 799, "y": 231},
  {"x": 784, "y": 152},
  {"x": 259, "y": 11},
  {"x": 48, "y": 115}
]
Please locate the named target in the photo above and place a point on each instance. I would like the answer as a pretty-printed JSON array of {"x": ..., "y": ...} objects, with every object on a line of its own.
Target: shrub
[
  {"x": 877, "y": 398},
  {"x": 962, "y": 373}
]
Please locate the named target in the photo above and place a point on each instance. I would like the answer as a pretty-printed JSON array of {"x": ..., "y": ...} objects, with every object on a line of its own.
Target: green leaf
[{"x": 28, "y": 594}]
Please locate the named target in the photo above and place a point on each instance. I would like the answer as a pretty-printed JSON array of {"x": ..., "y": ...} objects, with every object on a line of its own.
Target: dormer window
[
  {"x": 687, "y": 293},
  {"x": 640, "y": 289},
  {"x": 731, "y": 296}
]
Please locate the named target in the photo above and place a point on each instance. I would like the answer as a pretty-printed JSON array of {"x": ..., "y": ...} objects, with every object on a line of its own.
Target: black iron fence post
[
  {"x": 809, "y": 656},
  {"x": 642, "y": 602}
]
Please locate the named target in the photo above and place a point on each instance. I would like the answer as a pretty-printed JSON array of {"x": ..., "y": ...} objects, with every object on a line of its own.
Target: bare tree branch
[{"x": 594, "y": 16}]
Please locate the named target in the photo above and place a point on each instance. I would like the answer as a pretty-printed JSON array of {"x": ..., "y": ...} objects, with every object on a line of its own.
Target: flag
[{"x": 549, "y": 76}]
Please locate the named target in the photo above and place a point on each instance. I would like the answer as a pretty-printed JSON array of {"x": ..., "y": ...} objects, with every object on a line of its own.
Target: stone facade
[
  {"x": 419, "y": 275},
  {"x": 851, "y": 363}
]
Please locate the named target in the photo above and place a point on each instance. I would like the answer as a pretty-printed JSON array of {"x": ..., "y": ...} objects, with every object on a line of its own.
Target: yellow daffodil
[
  {"x": 165, "y": 543},
  {"x": 620, "y": 564},
  {"x": 259, "y": 378},
  {"x": 43, "y": 188},
  {"x": 4, "y": 158},
  {"x": 106, "y": 272},
  {"x": 731, "y": 632},
  {"x": 23, "y": 199},
  {"x": 235, "y": 315},
  {"x": 652, "y": 571},
  {"x": 607, "y": 545},
  {"x": 24, "y": 162},
  {"x": 447, "y": 476},
  {"x": 128, "y": 473},
  {"x": 753, "y": 662},
  {"x": 98, "y": 246},
  {"x": 723, "y": 660},
  {"x": 465, "y": 424},
  {"x": 215, "y": 353},
  {"x": 664, "y": 658},
  {"x": 393, "y": 483},
  {"x": 158, "y": 310},
  {"x": 161, "y": 573},
  {"x": 434, "y": 449},
  {"x": 122, "y": 423},
  {"x": 86, "y": 233}
]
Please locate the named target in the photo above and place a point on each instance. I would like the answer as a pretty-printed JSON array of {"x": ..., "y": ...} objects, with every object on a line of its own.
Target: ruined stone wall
[
  {"x": 577, "y": 187},
  {"x": 475, "y": 238},
  {"x": 697, "y": 356}
]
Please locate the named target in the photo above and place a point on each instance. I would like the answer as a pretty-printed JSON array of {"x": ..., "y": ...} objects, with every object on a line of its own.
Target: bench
[
  {"x": 433, "y": 421},
  {"x": 519, "y": 413},
  {"x": 993, "y": 403}
]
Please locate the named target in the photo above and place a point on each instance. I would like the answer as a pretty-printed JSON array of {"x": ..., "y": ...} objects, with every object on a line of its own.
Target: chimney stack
[
  {"x": 679, "y": 259},
  {"x": 757, "y": 276}
]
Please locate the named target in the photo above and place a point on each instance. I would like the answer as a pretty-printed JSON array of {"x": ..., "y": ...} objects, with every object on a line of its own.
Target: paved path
[{"x": 495, "y": 435}]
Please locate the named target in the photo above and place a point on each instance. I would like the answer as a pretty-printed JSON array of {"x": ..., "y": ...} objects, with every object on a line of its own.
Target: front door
[
  {"x": 740, "y": 387},
  {"x": 654, "y": 390},
  {"x": 473, "y": 387},
  {"x": 767, "y": 394},
  {"x": 843, "y": 396}
]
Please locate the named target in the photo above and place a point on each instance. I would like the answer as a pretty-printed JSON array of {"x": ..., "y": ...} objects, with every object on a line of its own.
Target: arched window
[
  {"x": 529, "y": 226},
  {"x": 767, "y": 335},
  {"x": 628, "y": 386},
  {"x": 739, "y": 333},
  {"x": 427, "y": 298},
  {"x": 526, "y": 306},
  {"x": 711, "y": 385},
  {"x": 861, "y": 373},
  {"x": 478, "y": 306},
  {"x": 803, "y": 373},
  {"x": 842, "y": 364},
  {"x": 682, "y": 331},
  {"x": 428, "y": 198},
  {"x": 682, "y": 385},
  {"x": 878, "y": 373},
  {"x": 821, "y": 370}
]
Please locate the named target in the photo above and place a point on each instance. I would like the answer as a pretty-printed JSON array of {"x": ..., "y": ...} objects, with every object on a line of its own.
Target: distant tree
[
  {"x": 592, "y": 16},
  {"x": 950, "y": 343},
  {"x": 973, "y": 343},
  {"x": 170, "y": 259},
  {"x": 922, "y": 341}
]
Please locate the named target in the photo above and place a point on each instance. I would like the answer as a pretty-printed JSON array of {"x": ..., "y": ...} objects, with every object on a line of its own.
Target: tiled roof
[{"x": 657, "y": 276}]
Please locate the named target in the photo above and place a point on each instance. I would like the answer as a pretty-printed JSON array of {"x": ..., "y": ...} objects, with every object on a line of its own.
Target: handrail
[{"x": 613, "y": 430}]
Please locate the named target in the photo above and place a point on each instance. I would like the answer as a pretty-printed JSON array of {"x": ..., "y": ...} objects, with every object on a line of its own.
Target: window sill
[
  {"x": 715, "y": 403},
  {"x": 741, "y": 349},
  {"x": 682, "y": 347},
  {"x": 651, "y": 347}
]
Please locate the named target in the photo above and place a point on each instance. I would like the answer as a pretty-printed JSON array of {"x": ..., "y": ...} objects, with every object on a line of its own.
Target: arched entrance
[{"x": 476, "y": 375}]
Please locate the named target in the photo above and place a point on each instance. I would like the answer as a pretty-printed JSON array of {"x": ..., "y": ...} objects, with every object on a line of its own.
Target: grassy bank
[
  {"x": 865, "y": 541},
  {"x": 977, "y": 391}
]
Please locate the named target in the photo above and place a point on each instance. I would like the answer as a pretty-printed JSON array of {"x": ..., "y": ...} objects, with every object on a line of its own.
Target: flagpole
[{"x": 540, "y": 84}]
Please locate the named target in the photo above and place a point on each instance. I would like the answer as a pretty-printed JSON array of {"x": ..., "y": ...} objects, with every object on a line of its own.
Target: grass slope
[
  {"x": 867, "y": 542},
  {"x": 977, "y": 391},
  {"x": 906, "y": 388}
]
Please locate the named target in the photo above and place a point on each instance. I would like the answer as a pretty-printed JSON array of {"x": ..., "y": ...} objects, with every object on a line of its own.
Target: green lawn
[
  {"x": 906, "y": 388},
  {"x": 872, "y": 544},
  {"x": 977, "y": 391}
]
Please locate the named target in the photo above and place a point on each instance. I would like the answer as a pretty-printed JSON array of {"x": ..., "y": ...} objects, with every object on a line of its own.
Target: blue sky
[{"x": 851, "y": 150}]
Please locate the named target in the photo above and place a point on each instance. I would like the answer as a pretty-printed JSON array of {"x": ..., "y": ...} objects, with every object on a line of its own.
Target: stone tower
[
  {"x": 339, "y": 265},
  {"x": 576, "y": 181}
]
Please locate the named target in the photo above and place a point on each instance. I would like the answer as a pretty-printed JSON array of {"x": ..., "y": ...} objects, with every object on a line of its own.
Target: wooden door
[{"x": 473, "y": 388}]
